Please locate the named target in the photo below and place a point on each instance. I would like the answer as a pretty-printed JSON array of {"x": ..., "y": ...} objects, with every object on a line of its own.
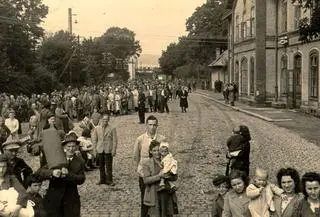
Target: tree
[
  {"x": 21, "y": 31},
  {"x": 207, "y": 32},
  {"x": 309, "y": 29},
  {"x": 55, "y": 54},
  {"x": 206, "y": 22},
  {"x": 172, "y": 58},
  {"x": 112, "y": 51}
]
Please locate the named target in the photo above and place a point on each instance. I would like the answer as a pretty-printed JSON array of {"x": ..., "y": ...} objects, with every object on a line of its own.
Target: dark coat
[
  {"x": 141, "y": 101},
  {"x": 21, "y": 170},
  {"x": 184, "y": 99},
  {"x": 217, "y": 206},
  {"x": 38, "y": 204},
  {"x": 62, "y": 198}
]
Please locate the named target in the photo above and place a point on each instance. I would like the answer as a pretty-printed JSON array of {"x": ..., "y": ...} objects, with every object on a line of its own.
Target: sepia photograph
[{"x": 159, "y": 108}]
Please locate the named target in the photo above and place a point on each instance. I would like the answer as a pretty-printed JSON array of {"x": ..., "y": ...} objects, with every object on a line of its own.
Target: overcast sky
[{"x": 155, "y": 22}]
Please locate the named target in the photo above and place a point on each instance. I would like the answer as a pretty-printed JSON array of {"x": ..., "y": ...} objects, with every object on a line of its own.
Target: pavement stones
[{"x": 197, "y": 140}]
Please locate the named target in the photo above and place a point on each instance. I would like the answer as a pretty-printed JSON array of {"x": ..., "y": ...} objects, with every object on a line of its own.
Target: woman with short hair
[
  {"x": 289, "y": 181},
  {"x": 309, "y": 206},
  {"x": 236, "y": 201}
]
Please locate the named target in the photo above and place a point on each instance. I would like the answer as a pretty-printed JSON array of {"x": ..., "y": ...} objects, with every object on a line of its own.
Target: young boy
[
  {"x": 261, "y": 192},
  {"x": 239, "y": 150},
  {"x": 169, "y": 165},
  {"x": 221, "y": 186},
  {"x": 234, "y": 142},
  {"x": 34, "y": 184}
]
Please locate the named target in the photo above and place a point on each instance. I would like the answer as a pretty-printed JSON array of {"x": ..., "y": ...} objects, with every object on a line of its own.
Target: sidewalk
[
  {"x": 266, "y": 114},
  {"x": 305, "y": 125}
]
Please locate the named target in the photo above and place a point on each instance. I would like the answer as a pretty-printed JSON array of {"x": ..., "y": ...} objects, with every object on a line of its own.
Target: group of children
[{"x": 260, "y": 191}]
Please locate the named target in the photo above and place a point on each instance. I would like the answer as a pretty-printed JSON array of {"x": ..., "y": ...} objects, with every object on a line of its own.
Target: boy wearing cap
[
  {"x": 19, "y": 167},
  {"x": 169, "y": 166},
  {"x": 221, "y": 186}
]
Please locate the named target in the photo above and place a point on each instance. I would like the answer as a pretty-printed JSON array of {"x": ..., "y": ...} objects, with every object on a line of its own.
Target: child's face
[
  {"x": 163, "y": 151},
  {"x": 221, "y": 189},
  {"x": 260, "y": 180},
  {"x": 35, "y": 187}
]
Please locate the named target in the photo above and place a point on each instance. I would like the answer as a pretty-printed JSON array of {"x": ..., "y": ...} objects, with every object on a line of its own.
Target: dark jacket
[
  {"x": 217, "y": 206},
  {"x": 38, "y": 204},
  {"x": 62, "y": 198},
  {"x": 21, "y": 170}
]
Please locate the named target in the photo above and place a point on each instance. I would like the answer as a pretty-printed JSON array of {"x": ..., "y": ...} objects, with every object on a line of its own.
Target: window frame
[{"x": 314, "y": 75}]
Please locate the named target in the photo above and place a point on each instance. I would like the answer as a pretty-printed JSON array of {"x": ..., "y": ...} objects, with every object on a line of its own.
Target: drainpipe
[
  {"x": 276, "y": 49},
  {"x": 232, "y": 47}
]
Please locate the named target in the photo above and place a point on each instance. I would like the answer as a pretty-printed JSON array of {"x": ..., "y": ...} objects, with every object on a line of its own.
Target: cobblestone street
[{"x": 197, "y": 140}]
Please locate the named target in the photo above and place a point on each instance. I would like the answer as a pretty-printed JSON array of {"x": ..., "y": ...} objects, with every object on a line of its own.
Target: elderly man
[
  {"x": 62, "y": 197},
  {"x": 19, "y": 167},
  {"x": 141, "y": 151},
  {"x": 104, "y": 139}
]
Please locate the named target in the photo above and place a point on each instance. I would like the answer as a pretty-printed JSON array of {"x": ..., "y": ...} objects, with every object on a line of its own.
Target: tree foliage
[
  {"x": 206, "y": 21},
  {"x": 20, "y": 30},
  {"x": 93, "y": 60},
  {"x": 206, "y": 32},
  {"x": 309, "y": 29}
]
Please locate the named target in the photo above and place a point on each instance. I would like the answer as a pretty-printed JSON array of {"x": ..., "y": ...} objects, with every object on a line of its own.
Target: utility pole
[{"x": 70, "y": 20}]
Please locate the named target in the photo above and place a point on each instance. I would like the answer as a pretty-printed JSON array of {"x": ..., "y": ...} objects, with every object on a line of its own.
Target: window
[
  {"x": 237, "y": 28},
  {"x": 297, "y": 68},
  {"x": 297, "y": 16},
  {"x": 252, "y": 22},
  {"x": 244, "y": 77},
  {"x": 252, "y": 75},
  {"x": 284, "y": 78},
  {"x": 236, "y": 74},
  {"x": 243, "y": 30},
  {"x": 314, "y": 71},
  {"x": 284, "y": 16}
]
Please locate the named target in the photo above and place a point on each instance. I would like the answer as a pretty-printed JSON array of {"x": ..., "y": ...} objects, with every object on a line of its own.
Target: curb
[{"x": 242, "y": 110}]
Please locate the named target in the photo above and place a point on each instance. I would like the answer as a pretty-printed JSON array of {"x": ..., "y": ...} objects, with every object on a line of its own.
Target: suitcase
[{"x": 53, "y": 150}]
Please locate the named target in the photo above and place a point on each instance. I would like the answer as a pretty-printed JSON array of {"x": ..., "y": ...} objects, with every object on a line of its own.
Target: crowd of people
[{"x": 65, "y": 155}]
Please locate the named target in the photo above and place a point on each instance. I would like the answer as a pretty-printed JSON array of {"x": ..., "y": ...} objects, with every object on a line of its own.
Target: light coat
[
  {"x": 105, "y": 140},
  {"x": 236, "y": 205}
]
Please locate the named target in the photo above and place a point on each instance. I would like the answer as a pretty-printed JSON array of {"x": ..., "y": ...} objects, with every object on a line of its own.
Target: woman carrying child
[{"x": 159, "y": 203}]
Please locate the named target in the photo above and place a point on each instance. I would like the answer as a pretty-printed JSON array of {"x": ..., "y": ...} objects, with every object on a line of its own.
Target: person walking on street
[
  {"x": 141, "y": 106},
  {"x": 141, "y": 152},
  {"x": 104, "y": 139}
]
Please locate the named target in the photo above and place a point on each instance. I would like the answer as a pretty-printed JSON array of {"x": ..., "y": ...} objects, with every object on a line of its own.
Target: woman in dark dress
[{"x": 184, "y": 99}]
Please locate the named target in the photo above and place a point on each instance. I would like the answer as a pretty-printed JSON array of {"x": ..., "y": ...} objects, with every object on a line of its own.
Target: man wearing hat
[
  {"x": 62, "y": 198},
  {"x": 19, "y": 167}
]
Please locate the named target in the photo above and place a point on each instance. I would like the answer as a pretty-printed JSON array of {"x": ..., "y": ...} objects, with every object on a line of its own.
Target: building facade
[{"x": 266, "y": 59}]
